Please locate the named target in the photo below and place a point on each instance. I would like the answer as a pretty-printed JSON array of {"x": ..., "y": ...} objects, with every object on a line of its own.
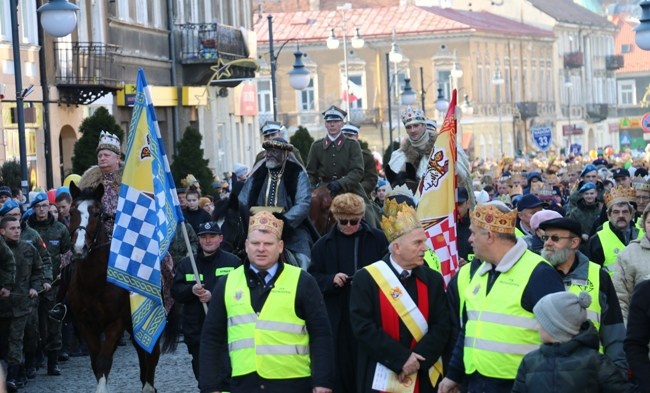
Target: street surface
[{"x": 173, "y": 374}]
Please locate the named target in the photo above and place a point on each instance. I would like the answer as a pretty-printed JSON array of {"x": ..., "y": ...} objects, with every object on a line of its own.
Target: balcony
[
  {"x": 573, "y": 60},
  {"x": 614, "y": 62},
  {"x": 204, "y": 45},
  {"x": 84, "y": 71},
  {"x": 527, "y": 109},
  {"x": 597, "y": 112},
  {"x": 364, "y": 116}
]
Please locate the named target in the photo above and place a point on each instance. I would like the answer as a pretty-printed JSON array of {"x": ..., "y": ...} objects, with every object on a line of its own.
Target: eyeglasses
[
  {"x": 351, "y": 222},
  {"x": 555, "y": 238},
  {"x": 44, "y": 206}
]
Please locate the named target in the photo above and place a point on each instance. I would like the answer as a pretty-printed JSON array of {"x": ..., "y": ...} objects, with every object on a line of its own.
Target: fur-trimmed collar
[
  {"x": 414, "y": 154},
  {"x": 93, "y": 176}
]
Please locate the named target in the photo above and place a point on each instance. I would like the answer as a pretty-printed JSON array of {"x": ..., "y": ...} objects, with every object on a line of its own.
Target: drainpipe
[{"x": 172, "y": 57}]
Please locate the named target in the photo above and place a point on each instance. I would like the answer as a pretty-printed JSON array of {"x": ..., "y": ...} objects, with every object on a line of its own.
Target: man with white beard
[
  {"x": 279, "y": 183},
  {"x": 561, "y": 241}
]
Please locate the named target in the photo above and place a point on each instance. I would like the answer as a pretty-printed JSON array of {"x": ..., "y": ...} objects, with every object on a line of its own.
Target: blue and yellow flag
[{"x": 147, "y": 214}]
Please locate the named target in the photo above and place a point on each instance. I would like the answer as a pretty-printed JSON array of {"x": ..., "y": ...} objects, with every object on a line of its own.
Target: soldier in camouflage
[
  {"x": 57, "y": 240},
  {"x": 28, "y": 282}
]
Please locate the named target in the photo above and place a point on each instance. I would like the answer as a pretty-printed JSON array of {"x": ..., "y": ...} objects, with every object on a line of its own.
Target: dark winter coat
[
  {"x": 571, "y": 367},
  {"x": 196, "y": 217},
  {"x": 375, "y": 345},
  {"x": 638, "y": 336},
  {"x": 585, "y": 214},
  {"x": 193, "y": 312}
]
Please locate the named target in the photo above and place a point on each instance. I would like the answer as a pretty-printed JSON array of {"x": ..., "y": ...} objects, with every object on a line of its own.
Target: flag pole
[{"x": 197, "y": 278}]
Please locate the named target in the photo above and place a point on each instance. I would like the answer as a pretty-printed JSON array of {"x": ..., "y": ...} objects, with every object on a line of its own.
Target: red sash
[{"x": 390, "y": 320}]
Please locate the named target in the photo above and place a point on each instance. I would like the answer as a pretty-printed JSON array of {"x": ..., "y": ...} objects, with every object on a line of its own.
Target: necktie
[
  {"x": 404, "y": 275},
  {"x": 262, "y": 275}
]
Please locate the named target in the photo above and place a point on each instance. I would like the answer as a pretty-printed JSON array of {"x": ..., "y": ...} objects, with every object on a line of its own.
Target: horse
[
  {"x": 319, "y": 212},
  {"x": 101, "y": 309}
]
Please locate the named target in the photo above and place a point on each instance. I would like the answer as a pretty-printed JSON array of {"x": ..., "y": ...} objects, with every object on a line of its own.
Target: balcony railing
[
  {"x": 573, "y": 60},
  {"x": 597, "y": 112},
  {"x": 84, "y": 71},
  {"x": 614, "y": 62},
  {"x": 527, "y": 109}
]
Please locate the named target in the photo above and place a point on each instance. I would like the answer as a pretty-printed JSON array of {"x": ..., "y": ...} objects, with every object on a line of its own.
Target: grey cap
[{"x": 562, "y": 313}]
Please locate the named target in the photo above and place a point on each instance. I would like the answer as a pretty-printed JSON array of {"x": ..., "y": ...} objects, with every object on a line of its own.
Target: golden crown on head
[
  {"x": 540, "y": 188},
  {"x": 189, "y": 180},
  {"x": 265, "y": 221},
  {"x": 398, "y": 220},
  {"x": 620, "y": 195},
  {"x": 489, "y": 217},
  {"x": 640, "y": 185},
  {"x": 574, "y": 167}
]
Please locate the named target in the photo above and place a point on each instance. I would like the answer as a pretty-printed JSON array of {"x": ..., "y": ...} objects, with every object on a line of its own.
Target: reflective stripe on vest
[
  {"x": 612, "y": 245},
  {"x": 463, "y": 282},
  {"x": 499, "y": 332},
  {"x": 221, "y": 271},
  {"x": 592, "y": 286},
  {"x": 274, "y": 344}
]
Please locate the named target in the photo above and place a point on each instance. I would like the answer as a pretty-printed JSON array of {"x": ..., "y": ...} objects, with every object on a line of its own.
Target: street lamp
[
  {"x": 441, "y": 103},
  {"x": 408, "y": 94},
  {"x": 299, "y": 76},
  {"x": 642, "y": 36},
  {"x": 568, "y": 84},
  {"x": 356, "y": 41},
  {"x": 58, "y": 18},
  {"x": 497, "y": 81}
]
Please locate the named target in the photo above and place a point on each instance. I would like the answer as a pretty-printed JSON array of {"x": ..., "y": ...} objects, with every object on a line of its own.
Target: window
[
  {"x": 357, "y": 91},
  {"x": 626, "y": 48},
  {"x": 5, "y": 22},
  {"x": 264, "y": 101},
  {"x": 443, "y": 79},
  {"x": 123, "y": 9},
  {"x": 626, "y": 93},
  {"x": 28, "y": 21},
  {"x": 141, "y": 13},
  {"x": 305, "y": 98}
]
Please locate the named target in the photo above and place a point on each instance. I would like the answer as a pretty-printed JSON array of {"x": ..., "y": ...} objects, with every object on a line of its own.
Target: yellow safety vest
[
  {"x": 432, "y": 260},
  {"x": 499, "y": 331},
  {"x": 274, "y": 344},
  {"x": 639, "y": 226},
  {"x": 612, "y": 245},
  {"x": 220, "y": 271},
  {"x": 463, "y": 280},
  {"x": 519, "y": 233},
  {"x": 592, "y": 287}
]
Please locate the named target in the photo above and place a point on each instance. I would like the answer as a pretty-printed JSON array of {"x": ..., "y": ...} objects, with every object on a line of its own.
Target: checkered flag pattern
[
  {"x": 441, "y": 238},
  {"x": 135, "y": 246}
]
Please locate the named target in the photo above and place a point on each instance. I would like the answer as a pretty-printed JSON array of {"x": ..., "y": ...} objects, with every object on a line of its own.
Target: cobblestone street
[{"x": 173, "y": 374}]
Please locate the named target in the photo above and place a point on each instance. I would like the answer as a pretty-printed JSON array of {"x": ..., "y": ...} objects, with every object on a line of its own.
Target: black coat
[
  {"x": 193, "y": 312},
  {"x": 375, "y": 345},
  {"x": 214, "y": 359},
  {"x": 638, "y": 335},
  {"x": 571, "y": 367}
]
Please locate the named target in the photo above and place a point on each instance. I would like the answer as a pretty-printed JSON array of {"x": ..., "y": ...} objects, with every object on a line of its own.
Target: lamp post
[
  {"x": 408, "y": 94},
  {"x": 568, "y": 84},
  {"x": 441, "y": 103},
  {"x": 422, "y": 92},
  {"x": 299, "y": 76},
  {"x": 395, "y": 57},
  {"x": 497, "y": 81},
  {"x": 58, "y": 18},
  {"x": 357, "y": 43}
]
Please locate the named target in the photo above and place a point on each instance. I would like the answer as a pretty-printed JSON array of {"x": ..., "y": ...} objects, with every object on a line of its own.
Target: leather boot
[
  {"x": 52, "y": 363},
  {"x": 12, "y": 374},
  {"x": 21, "y": 381}
]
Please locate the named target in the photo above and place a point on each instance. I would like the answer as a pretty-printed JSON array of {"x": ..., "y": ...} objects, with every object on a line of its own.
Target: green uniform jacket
[
  {"x": 56, "y": 237},
  {"x": 177, "y": 248},
  {"x": 29, "y": 235},
  {"x": 340, "y": 160},
  {"x": 7, "y": 266},
  {"x": 29, "y": 275}
]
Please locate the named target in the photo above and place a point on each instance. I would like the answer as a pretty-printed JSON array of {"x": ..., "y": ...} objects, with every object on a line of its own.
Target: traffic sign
[
  {"x": 645, "y": 122},
  {"x": 542, "y": 136}
]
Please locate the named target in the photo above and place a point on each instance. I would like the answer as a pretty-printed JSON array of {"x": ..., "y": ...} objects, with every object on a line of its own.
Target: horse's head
[{"x": 85, "y": 219}]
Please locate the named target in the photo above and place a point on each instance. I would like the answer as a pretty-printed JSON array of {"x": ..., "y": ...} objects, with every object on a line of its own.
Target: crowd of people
[{"x": 550, "y": 295}]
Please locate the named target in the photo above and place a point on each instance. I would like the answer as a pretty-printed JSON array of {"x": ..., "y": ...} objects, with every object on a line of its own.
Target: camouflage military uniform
[
  {"x": 57, "y": 239},
  {"x": 7, "y": 267},
  {"x": 29, "y": 275}
]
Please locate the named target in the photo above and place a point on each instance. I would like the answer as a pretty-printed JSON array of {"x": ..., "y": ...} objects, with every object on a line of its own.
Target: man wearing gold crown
[
  {"x": 617, "y": 232},
  {"x": 398, "y": 311},
  {"x": 499, "y": 326},
  {"x": 267, "y": 326}
]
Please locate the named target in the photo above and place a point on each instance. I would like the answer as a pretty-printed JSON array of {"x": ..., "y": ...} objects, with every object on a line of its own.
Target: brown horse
[
  {"x": 319, "y": 213},
  {"x": 100, "y": 309}
]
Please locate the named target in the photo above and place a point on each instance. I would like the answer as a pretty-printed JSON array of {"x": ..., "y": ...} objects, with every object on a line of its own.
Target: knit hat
[
  {"x": 5, "y": 191},
  {"x": 562, "y": 313},
  {"x": 541, "y": 216}
]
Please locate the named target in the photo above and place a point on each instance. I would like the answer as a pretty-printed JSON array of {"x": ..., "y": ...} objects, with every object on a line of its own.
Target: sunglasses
[
  {"x": 555, "y": 238},
  {"x": 351, "y": 222}
]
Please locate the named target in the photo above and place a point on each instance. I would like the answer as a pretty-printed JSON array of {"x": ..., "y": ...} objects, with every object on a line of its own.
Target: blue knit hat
[{"x": 588, "y": 168}]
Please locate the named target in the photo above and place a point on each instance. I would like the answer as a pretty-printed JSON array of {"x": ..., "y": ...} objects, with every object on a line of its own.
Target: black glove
[
  {"x": 334, "y": 187},
  {"x": 279, "y": 216}
]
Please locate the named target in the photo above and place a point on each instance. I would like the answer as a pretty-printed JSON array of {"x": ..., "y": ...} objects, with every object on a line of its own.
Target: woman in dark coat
[
  {"x": 350, "y": 245},
  {"x": 638, "y": 335}
]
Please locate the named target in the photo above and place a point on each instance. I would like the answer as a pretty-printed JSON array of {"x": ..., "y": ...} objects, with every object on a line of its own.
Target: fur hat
[
  {"x": 562, "y": 313},
  {"x": 348, "y": 205}
]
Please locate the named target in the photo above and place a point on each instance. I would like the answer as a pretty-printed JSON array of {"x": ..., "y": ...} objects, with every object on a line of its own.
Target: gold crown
[
  {"x": 398, "y": 220},
  {"x": 189, "y": 180},
  {"x": 540, "y": 188},
  {"x": 516, "y": 190},
  {"x": 265, "y": 221},
  {"x": 640, "y": 185},
  {"x": 552, "y": 179},
  {"x": 620, "y": 195},
  {"x": 574, "y": 167},
  {"x": 488, "y": 217}
]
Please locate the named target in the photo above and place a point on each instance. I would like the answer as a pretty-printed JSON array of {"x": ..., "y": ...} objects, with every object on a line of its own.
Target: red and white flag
[{"x": 437, "y": 195}]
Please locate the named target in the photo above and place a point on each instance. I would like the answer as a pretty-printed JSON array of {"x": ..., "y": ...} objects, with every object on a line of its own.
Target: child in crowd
[{"x": 568, "y": 360}]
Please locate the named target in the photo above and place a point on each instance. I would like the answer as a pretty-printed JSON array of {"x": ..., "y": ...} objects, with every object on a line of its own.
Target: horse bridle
[{"x": 95, "y": 235}]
